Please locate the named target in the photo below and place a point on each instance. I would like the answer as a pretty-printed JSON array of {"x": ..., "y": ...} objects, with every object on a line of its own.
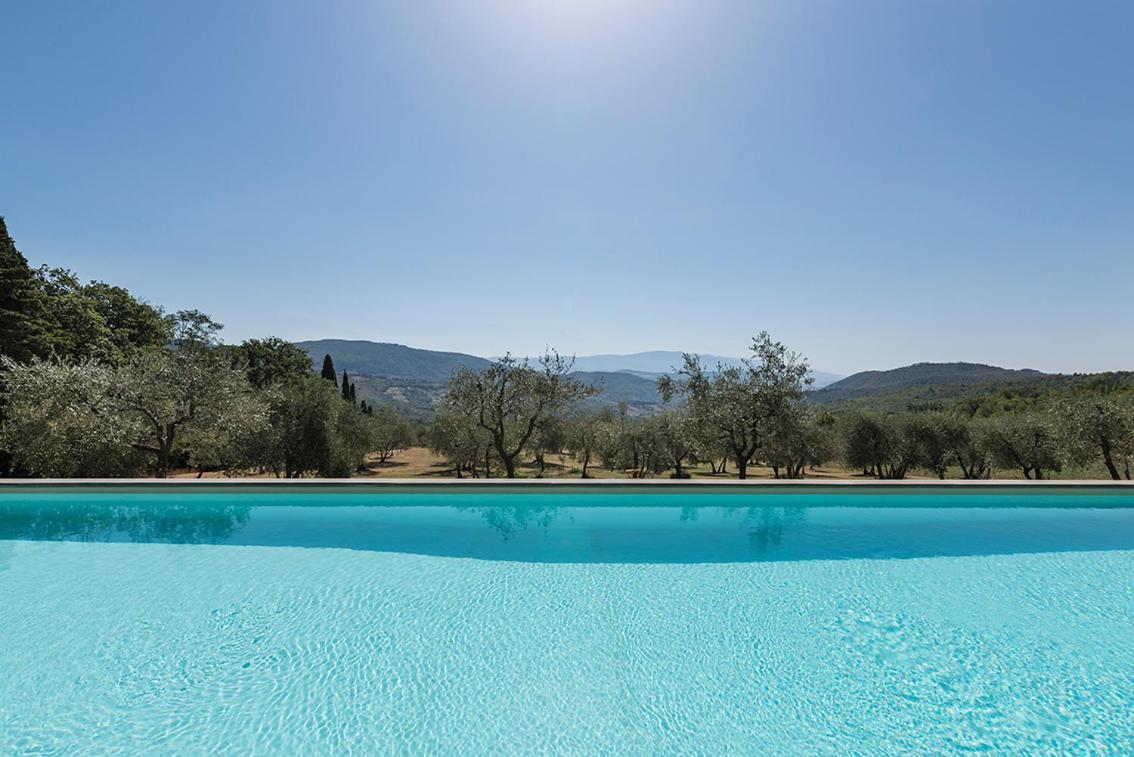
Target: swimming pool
[{"x": 520, "y": 621}]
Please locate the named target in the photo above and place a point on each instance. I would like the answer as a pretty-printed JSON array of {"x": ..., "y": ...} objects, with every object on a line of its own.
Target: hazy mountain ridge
[
  {"x": 413, "y": 380},
  {"x": 389, "y": 360},
  {"x": 418, "y": 400},
  {"x": 656, "y": 363}
]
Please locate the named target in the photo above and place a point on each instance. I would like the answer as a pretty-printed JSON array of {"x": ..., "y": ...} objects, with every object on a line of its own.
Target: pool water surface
[{"x": 525, "y": 622}]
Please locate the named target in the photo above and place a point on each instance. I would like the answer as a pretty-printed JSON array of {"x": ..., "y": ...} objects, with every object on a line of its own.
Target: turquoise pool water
[{"x": 566, "y": 623}]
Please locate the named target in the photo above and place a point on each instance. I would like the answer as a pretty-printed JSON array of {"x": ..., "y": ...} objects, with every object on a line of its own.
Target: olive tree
[
  {"x": 883, "y": 446},
  {"x": 1099, "y": 428},
  {"x": 62, "y": 420},
  {"x": 585, "y": 433},
  {"x": 390, "y": 432},
  {"x": 88, "y": 419},
  {"x": 675, "y": 440},
  {"x": 313, "y": 432},
  {"x": 736, "y": 405},
  {"x": 798, "y": 437},
  {"x": 511, "y": 398},
  {"x": 462, "y": 442},
  {"x": 968, "y": 446},
  {"x": 194, "y": 394},
  {"x": 1028, "y": 443}
]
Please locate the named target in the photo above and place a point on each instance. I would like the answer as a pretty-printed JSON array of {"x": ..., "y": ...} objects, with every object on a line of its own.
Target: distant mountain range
[
  {"x": 656, "y": 363},
  {"x": 386, "y": 360},
  {"x": 399, "y": 361},
  {"x": 413, "y": 380}
]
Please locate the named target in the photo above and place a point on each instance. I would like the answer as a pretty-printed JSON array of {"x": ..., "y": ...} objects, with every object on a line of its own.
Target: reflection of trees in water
[
  {"x": 201, "y": 523},
  {"x": 766, "y": 524},
  {"x": 509, "y": 520}
]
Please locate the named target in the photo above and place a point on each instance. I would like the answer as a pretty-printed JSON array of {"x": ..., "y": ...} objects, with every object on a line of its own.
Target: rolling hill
[
  {"x": 413, "y": 380},
  {"x": 360, "y": 357},
  {"x": 655, "y": 363},
  {"x": 945, "y": 378},
  {"x": 418, "y": 400}
]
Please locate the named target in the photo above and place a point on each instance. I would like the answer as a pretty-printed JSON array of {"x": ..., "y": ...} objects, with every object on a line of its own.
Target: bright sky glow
[{"x": 875, "y": 183}]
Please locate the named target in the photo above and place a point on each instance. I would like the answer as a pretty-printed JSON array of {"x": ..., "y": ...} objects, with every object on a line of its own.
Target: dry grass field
[{"x": 420, "y": 462}]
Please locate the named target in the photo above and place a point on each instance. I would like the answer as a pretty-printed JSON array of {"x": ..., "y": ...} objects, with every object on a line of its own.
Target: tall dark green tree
[
  {"x": 346, "y": 387},
  {"x": 272, "y": 361},
  {"x": 100, "y": 321},
  {"x": 329, "y": 369},
  {"x": 26, "y": 328},
  {"x": 352, "y": 394}
]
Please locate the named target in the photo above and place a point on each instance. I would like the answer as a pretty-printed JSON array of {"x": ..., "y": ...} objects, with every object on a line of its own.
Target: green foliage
[
  {"x": 736, "y": 406},
  {"x": 92, "y": 419},
  {"x": 64, "y": 420},
  {"x": 49, "y": 311},
  {"x": 510, "y": 399},
  {"x": 194, "y": 331},
  {"x": 99, "y": 321},
  {"x": 462, "y": 442},
  {"x": 192, "y": 397},
  {"x": 1028, "y": 443},
  {"x": 584, "y": 434},
  {"x": 798, "y": 437},
  {"x": 26, "y": 330},
  {"x": 328, "y": 372},
  {"x": 390, "y": 432},
  {"x": 933, "y": 378},
  {"x": 313, "y": 432},
  {"x": 1099, "y": 428},
  {"x": 674, "y": 440},
  {"x": 883, "y": 446},
  {"x": 271, "y": 361}
]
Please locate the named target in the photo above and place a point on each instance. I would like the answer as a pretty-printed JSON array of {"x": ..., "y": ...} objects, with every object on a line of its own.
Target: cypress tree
[
  {"x": 26, "y": 328},
  {"x": 346, "y": 386},
  {"x": 329, "y": 369},
  {"x": 352, "y": 393}
]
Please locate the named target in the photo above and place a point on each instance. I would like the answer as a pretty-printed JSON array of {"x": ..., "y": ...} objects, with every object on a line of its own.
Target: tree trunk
[{"x": 1108, "y": 458}]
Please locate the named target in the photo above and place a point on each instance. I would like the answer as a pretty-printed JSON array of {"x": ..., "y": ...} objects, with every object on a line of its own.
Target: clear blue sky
[{"x": 875, "y": 183}]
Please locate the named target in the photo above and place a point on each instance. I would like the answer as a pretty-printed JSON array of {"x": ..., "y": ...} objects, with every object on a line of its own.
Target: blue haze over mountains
[{"x": 413, "y": 380}]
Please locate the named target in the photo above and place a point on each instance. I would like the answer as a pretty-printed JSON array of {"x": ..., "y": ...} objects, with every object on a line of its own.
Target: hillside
[
  {"x": 360, "y": 357},
  {"x": 418, "y": 400},
  {"x": 615, "y": 387},
  {"x": 938, "y": 379},
  {"x": 655, "y": 363}
]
